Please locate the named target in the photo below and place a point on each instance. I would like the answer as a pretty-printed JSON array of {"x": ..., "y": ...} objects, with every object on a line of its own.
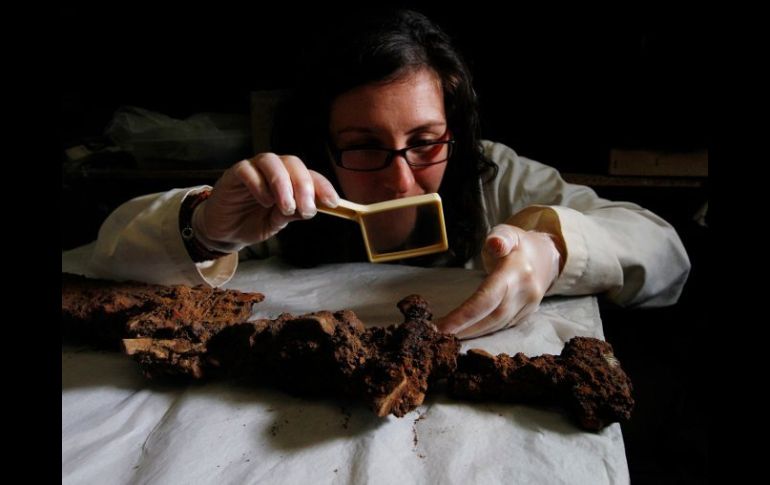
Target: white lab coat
[{"x": 617, "y": 248}]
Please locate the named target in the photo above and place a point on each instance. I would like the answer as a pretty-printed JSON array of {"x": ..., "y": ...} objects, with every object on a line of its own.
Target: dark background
[{"x": 559, "y": 86}]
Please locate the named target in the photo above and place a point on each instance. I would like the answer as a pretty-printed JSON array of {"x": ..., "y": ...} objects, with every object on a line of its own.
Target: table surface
[{"x": 117, "y": 426}]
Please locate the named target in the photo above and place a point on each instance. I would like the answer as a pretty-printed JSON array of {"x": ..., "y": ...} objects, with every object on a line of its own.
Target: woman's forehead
[{"x": 409, "y": 102}]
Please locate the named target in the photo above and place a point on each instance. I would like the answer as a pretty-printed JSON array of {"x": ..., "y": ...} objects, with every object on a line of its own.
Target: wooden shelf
[{"x": 596, "y": 180}]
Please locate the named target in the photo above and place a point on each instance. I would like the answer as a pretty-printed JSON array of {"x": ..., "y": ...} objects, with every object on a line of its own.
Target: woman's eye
[
  {"x": 417, "y": 143},
  {"x": 426, "y": 149}
]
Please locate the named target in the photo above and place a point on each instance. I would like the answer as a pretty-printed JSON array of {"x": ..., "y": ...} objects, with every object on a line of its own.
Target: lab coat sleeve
[
  {"x": 140, "y": 240},
  {"x": 620, "y": 249}
]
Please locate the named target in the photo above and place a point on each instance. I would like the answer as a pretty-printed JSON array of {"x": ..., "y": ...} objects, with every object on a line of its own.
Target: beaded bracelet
[{"x": 197, "y": 251}]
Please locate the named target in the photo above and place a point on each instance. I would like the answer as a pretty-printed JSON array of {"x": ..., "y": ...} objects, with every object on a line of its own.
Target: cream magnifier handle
[{"x": 345, "y": 209}]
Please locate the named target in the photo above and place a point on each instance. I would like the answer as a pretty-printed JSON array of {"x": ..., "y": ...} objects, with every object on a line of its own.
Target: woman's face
[{"x": 398, "y": 114}]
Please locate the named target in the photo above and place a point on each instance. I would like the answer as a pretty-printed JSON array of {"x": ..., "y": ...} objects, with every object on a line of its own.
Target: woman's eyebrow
[
  {"x": 368, "y": 130},
  {"x": 426, "y": 126}
]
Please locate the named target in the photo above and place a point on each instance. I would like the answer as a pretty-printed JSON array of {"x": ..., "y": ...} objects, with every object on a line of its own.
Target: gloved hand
[
  {"x": 521, "y": 266},
  {"x": 256, "y": 198}
]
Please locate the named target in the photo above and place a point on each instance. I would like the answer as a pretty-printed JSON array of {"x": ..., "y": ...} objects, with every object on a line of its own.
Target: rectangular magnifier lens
[
  {"x": 400, "y": 228},
  {"x": 404, "y": 228}
]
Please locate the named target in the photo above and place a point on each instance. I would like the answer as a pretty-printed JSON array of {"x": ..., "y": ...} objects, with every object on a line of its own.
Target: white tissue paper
[{"x": 118, "y": 427}]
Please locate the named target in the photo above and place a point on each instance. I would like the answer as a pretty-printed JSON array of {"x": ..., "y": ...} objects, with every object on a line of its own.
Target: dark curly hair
[{"x": 382, "y": 46}]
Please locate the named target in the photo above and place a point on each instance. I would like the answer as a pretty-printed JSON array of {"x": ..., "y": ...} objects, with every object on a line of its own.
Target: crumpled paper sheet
[{"x": 118, "y": 427}]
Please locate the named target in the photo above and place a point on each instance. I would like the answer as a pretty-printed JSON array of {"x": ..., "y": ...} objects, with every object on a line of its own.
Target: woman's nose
[{"x": 398, "y": 176}]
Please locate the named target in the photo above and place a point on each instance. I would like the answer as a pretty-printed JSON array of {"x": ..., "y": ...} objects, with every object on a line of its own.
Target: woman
[{"x": 386, "y": 110}]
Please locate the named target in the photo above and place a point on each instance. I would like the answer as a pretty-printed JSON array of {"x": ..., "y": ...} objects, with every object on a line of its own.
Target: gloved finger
[
  {"x": 491, "y": 322},
  {"x": 480, "y": 304},
  {"x": 245, "y": 173},
  {"x": 504, "y": 317},
  {"x": 525, "y": 292},
  {"x": 278, "y": 221},
  {"x": 501, "y": 240},
  {"x": 510, "y": 303},
  {"x": 278, "y": 180},
  {"x": 324, "y": 190},
  {"x": 302, "y": 185}
]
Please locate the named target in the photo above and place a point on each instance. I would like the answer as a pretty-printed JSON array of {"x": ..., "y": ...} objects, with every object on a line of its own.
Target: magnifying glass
[{"x": 399, "y": 228}]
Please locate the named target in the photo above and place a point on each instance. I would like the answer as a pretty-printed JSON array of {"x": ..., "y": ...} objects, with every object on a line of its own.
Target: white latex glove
[
  {"x": 521, "y": 266},
  {"x": 256, "y": 198}
]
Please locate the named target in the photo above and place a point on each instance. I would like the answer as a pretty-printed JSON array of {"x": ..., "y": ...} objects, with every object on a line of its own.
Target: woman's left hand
[{"x": 521, "y": 266}]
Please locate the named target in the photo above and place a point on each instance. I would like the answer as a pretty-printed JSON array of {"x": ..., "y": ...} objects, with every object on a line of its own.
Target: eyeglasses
[{"x": 371, "y": 159}]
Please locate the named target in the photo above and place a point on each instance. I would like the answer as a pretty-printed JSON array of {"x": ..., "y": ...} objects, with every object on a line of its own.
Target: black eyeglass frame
[{"x": 336, "y": 155}]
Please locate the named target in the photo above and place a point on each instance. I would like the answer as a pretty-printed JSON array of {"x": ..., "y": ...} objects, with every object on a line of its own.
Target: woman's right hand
[{"x": 256, "y": 198}]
